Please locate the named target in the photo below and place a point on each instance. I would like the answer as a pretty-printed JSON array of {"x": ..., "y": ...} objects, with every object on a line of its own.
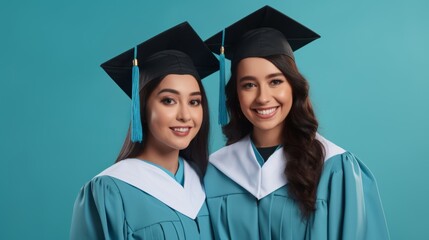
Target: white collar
[
  {"x": 330, "y": 148},
  {"x": 154, "y": 181},
  {"x": 238, "y": 162}
]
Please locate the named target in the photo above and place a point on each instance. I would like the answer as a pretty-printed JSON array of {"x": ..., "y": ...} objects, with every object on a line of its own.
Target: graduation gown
[
  {"x": 247, "y": 201},
  {"x": 134, "y": 199}
]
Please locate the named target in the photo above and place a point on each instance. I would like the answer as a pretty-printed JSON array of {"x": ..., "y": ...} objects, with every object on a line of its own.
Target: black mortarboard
[
  {"x": 178, "y": 50},
  {"x": 262, "y": 33}
]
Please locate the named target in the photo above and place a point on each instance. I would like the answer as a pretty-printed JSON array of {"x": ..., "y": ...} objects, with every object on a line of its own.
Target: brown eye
[
  {"x": 168, "y": 101},
  {"x": 248, "y": 85},
  {"x": 275, "y": 82},
  {"x": 195, "y": 102}
]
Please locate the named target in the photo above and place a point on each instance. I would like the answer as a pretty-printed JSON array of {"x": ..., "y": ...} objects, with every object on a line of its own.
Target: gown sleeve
[
  {"x": 98, "y": 211},
  {"x": 351, "y": 206}
]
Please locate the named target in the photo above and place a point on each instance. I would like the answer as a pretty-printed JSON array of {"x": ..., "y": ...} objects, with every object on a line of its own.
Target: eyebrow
[
  {"x": 273, "y": 75},
  {"x": 169, "y": 90},
  {"x": 249, "y": 78},
  {"x": 246, "y": 78}
]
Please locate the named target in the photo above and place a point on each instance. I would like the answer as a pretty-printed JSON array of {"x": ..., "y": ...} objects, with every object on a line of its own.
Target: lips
[
  {"x": 265, "y": 112},
  {"x": 181, "y": 131}
]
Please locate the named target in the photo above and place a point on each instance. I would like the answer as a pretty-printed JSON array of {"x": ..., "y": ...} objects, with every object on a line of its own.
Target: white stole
[
  {"x": 187, "y": 199},
  {"x": 238, "y": 162}
]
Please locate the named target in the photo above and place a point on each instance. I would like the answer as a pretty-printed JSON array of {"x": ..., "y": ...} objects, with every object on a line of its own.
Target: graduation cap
[
  {"x": 178, "y": 50},
  {"x": 262, "y": 33}
]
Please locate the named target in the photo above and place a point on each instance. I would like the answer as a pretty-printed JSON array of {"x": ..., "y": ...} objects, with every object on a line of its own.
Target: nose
[
  {"x": 264, "y": 95},
  {"x": 183, "y": 114}
]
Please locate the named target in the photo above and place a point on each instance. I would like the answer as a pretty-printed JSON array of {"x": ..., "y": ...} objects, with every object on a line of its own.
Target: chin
[
  {"x": 266, "y": 126},
  {"x": 179, "y": 146}
]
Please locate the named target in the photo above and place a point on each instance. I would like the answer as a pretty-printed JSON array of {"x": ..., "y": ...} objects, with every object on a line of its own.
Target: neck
[
  {"x": 166, "y": 158},
  {"x": 266, "y": 138}
]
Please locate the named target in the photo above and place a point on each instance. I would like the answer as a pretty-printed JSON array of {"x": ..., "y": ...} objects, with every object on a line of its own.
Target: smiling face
[
  {"x": 174, "y": 113},
  {"x": 264, "y": 94}
]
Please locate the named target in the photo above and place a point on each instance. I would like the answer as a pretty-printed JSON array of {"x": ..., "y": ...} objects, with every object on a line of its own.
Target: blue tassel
[
  {"x": 136, "y": 125},
  {"x": 223, "y": 117}
]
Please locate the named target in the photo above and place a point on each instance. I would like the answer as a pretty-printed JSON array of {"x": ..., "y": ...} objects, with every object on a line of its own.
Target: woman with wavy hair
[
  {"x": 277, "y": 178},
  {"x": 154, "y": 190}
]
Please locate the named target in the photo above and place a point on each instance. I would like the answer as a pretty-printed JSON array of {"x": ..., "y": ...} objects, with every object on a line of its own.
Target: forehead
[
  {"x": 254, "y": 66},
  {"x": 183, "y": 83}
]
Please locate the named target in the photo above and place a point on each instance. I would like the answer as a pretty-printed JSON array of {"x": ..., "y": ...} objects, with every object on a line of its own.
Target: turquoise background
[{"x": 63, "y": 120}]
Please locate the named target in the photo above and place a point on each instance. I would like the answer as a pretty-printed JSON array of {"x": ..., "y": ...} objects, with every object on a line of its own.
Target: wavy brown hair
[
  {"x": 196, "y": 153},
  {"x": 304, "y": 152}
]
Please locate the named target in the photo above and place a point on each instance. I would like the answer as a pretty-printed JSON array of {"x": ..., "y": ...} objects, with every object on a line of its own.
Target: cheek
[
  {"x": 153, "y": 117},
  {"x": 285, "y": 95},
  {"x": 158, "y": 117},
  {"x": 198, "y": 116},
  {"x": 152, "y": 120},
  {"x": 245, "y": 99}
]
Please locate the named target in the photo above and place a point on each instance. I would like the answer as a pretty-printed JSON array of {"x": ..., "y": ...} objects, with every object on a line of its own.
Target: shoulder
[
  {"x": 98, "y": 205},
  {"x": 97, "y": 194},
  {"x": 212, "y": 176},
  {"x": 231, "y": 151},
  {"x": 100, "y": 186},
  {"x": 212, "y": 173},
  {"x": 345, "y": 170},
  {"x": 338, "y": 159},
  {"x": 349, "y": 166},
  {"x": 334, "y": 155},
  {"x": 330, "y": 148},
  {"x": 216, "y": 183},
  {"x": 343, "y": 162}
]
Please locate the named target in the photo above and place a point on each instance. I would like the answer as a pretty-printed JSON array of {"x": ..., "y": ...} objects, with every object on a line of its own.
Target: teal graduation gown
[
  {"x": 247, "y": 201},
  {"x": 134, "y": 199}
]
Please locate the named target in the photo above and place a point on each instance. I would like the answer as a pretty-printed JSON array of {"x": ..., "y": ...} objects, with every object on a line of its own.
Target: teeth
[
  {"x": 266, "y": 111},
  {"x": 180, "y": 129}
]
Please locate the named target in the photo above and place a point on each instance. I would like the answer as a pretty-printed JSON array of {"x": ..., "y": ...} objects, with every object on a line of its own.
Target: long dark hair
[
  {"x": 197, "y": 151},
  {"x": 304, "y": 152}
]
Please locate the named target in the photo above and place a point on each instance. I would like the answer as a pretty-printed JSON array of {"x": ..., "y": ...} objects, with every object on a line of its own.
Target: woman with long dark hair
[
  {"x": 277, "y": 178},
  {"x": 154, "y": 190}
]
